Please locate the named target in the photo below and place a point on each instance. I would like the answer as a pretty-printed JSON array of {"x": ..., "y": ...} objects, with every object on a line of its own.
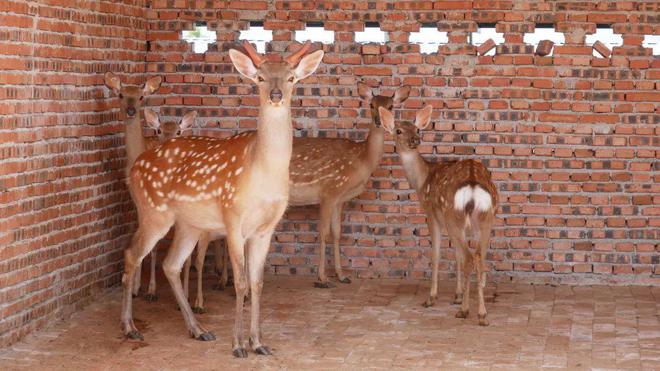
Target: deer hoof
[
  {"x": 429, "y": 302},
  {"x": 324, "y": 285},
  {"x": 483, "y": 321},
  {"x": 239, "y": 353},
  {"x": 206, "y": 336},
  {"x": 135, "y": 335},
  {"x": 151, "y": 298},
  {"x": 458, "y": 299},
  {"x": 198, "y": 310},
  {"x": 462, "y": 313},
  {"x": 345, "y": 280},
  {"x": 263, "y": 350}
]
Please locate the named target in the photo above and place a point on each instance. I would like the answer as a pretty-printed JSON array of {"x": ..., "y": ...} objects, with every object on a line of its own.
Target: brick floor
[{"x": 374, "y": 323}]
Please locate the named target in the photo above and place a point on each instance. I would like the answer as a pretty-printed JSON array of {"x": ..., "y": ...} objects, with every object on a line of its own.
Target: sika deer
[
  {"x": 459, "y": 196},
  {"x": 132, "y": 98},
  {"x": 238, "y": 187},
  {"x": 331, "y": 171}
]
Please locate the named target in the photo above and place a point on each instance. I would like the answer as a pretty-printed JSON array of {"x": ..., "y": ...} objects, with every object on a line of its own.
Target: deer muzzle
[
  {"x": 130, "y": 111},
  {"x": 276, "y": 95}
]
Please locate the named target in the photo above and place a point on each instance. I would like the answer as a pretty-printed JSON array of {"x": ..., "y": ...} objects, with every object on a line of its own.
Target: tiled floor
[{"x": 377, "y": 324}]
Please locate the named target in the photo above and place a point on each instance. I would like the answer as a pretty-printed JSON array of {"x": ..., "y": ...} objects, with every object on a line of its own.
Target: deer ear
[
  {"x": 152, "y": 85},
  {"x": 386, "y": 119},
  {"x": 152, "y": 118},
  {"x": 188, "y": 120},
  {"x": 401, "y": 94},
  {"x": 423, "y": 117},
  {"x": 112, "y": 82},
  {"x": 308, "y": 64},
  {"x": 364, "y": 90},
  {"x": 243, "y": 64}
]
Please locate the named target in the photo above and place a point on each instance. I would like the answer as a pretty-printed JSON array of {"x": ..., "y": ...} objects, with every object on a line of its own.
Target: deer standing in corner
[
  {"x": 238, "y": 187},
  {"x": 459, "y": 196}
]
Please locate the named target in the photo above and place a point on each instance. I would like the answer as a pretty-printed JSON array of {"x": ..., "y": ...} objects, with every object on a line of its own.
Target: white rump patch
[{"x": 481, "y": 198}]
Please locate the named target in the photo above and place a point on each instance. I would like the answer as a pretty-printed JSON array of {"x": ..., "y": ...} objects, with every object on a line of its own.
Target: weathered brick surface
[
  {"x": 572, "y": 139},
  {"x": 64, "y": 212}
]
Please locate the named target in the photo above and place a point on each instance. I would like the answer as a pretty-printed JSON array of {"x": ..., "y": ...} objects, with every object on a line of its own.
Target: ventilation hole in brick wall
[
  {"x": 428, "y": 38},
  {"x": 371, "y": 34},
  {"x": 605, "y": 34},
  {"x": 257, "y": 35},
  {"x": 544, "y": 32},
  {"x": 200, "y": 37},
  {"x": 315, "y": 32},
  {"x": 485, "y": 32},
  {"x": 652, "y": 41}
]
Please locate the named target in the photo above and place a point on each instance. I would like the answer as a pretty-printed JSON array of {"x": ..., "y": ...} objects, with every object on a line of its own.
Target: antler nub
[
  {"x": 257, "y": 58},
  {"x": 294, "y": 58}
]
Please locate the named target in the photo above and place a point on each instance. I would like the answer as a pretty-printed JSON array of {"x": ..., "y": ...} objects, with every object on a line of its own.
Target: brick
[
  {"x": 486, "y": 46},
  {"x": 602, "y": 49},
  {"x": 544, "y": 47}
]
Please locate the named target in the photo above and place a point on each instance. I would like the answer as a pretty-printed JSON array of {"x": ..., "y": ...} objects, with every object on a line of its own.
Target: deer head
[
  {"x": 377, "y": 101},
  {"x": 406, "y": 134},
  {"x": 131, "y": 96},
  {"x": 275, "y": 80},
  {"x": 169, "y": 129}
]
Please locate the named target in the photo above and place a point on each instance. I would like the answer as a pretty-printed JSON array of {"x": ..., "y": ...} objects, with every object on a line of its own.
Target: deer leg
[
  {"x": 336, "y": 236},
  {"x": 436, "y": 233},
  {"x": 144, "y": 239},
  {"x": 151, "y": 292},
  {"x": 480, "y": 263},
  {"x": 202, "y": 246},
  {"x": 463, "y": 267},
  {"x": 186, "y": 275},
  {"x": 235, "y": 246},
  {"x": 324, "y": 228},
  {"x": 137, "y": 280},
  {"x": 185, "y": 238},
  {"x": 258, "y": 247},
  {"x": 221, "y": 262},
  {"x": 460, "y": 258}
]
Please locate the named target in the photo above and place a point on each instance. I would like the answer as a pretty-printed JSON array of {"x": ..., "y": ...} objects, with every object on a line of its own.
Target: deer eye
[
  {"x": 159, "y": 131},
  {"x": 291, "y": 79},
  {"x": 121, "y": 95},
  {"x": 260, "y": 79},
  {"x": 141, "y": 97},
  {"x": 398, "y": 131}
]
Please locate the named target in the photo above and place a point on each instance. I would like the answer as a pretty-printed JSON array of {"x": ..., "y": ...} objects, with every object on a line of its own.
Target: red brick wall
[
  {"x": 65, "y": 215},
  {"x": 572, "y": 139}
]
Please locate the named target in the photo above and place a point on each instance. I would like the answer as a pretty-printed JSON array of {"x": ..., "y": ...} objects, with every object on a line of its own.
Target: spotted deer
[
  {"x": 237, "y": 186},
  {"x": 459, "y": 197},
  {"x": 325, "y": 171}
]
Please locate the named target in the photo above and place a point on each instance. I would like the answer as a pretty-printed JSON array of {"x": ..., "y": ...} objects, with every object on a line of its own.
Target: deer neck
[
  {"x": 135, "y": 143},
  {"x": 274, "y": 140},
  {"x": 375, "y": 143},
  {"x": 416, "y": 168}
]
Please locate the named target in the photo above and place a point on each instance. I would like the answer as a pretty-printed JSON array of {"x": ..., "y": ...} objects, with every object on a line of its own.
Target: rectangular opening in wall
[
  {"x": 257, "y": 35},
  {"x": 428, "y": 38},
  {"x": 544, "y": 31},
  {"x": 371, "y": 34},
  {"x": 484, "y": 32},
  {"x": 200, "y": 37},
  {"x": 605, "y": 34},
  {"x": 652, "y": 41},
  {"x": 315, "y": 32}
]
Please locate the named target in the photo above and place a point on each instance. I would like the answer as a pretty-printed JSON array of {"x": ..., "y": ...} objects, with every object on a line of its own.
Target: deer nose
[
  {"x": 276, "y": 95},
  {"x": 130, "y": 111}
]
